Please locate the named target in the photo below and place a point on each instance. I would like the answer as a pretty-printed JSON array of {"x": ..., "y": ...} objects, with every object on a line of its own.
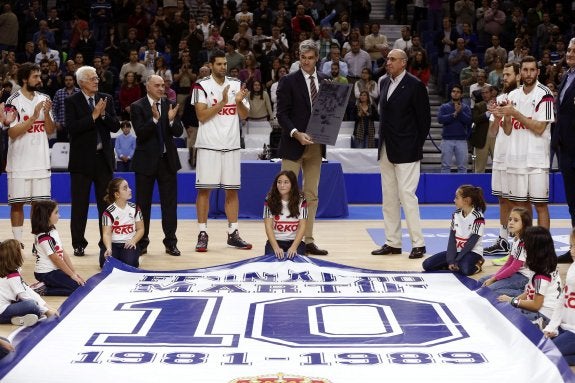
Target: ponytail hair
[{"x": 475, "y": 193}]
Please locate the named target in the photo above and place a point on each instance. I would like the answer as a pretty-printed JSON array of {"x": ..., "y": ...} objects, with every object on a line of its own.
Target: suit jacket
[
  {"x": 147, "y": 153},
  {"x": 405, "y": 119},
  {"x": 82, "y": 129},
  {"x": 294, "y": 112},
  {"x": 564, "y": 133}
]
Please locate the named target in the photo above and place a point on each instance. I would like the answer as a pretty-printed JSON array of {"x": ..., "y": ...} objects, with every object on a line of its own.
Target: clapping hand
[
  {"x": 172, "y": 112},
  {"x": 100, "y": 108}
]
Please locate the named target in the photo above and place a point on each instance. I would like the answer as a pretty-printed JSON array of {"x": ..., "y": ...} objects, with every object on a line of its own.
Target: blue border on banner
[{"x": 28, "y": 337}]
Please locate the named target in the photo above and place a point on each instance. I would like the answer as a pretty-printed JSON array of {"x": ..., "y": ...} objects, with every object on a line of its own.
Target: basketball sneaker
[
  {"x": 500, "y": 248},
  {"x": 25, "y": 320},
  {"x": 202, "y": 245},
  {"x": 234, "y": 240}
]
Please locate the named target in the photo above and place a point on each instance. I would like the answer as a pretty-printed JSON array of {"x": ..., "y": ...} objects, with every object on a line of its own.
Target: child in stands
[
  {"x": 543, "y": 291},
  {"x": 464, "y": 250},
  {"x": 285, "y": 215},
  {"x": 513, "y": 275},
  {"x": 53, "y": 265},
  {"x": 19, "y": 304},
  {"x": 122, "y": 225},
  {"x": 561, "y": 328}
]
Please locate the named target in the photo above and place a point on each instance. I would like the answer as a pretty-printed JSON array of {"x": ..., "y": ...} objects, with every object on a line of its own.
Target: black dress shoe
[
  {"x": 173, "y": 250},
  {"x": 565, "y": 258},
  {"x": 386, "y": 250},
  {"x": 79, "y": 251},
  {"x": 312, "y": 249},
  {"x": 417, "y": 252}
]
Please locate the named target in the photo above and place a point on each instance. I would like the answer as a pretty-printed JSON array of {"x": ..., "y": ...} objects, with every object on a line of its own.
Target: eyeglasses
[{"x": 94, "y": 79}]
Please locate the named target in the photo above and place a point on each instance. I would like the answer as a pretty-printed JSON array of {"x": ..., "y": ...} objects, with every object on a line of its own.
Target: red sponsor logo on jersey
[
  {"x": 285, "y": 227},
  {"x": 123, "y": 229},
  {"x": 460, "y": 242},
  {"x": 37, "y": 127},
  {"x": 569, "y": 299},
  {"x": 228, "y": 110},
  {"x": 515, "y": 124}
]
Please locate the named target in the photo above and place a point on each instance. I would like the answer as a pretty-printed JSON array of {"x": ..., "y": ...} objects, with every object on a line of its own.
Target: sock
[
  {"x": 232, "y": 226},
  {"x": 203, "y": 227},
  {"x": 503, "y": 233},
  {"x": 17, "y": 232}
]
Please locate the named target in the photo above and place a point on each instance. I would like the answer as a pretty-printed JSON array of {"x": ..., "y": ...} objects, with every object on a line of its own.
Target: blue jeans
[
  {"x": 128, "y": 256},
  {"x": 439, "y": 262},
  {"x": 57, "y": 283},
  {"x": 21, "y": 308},
  {"x": 449, "y": 148},
  {"x": 565, "y": 342},
  {"x": 512, "y": 286}
]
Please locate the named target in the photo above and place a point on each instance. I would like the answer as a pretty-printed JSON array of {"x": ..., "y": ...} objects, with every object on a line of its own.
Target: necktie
[
  {"x": 312, "y": 89},
  {"x": 570, "y": 75},
  {"x": 98, "y": 139},
  {"x": 160, "y": 128}
]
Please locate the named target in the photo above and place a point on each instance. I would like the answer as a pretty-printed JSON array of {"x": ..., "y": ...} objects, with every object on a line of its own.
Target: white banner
[{"x": 284, "y": 322}]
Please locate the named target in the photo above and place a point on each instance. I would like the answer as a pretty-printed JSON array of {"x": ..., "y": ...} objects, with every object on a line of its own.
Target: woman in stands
[
  {"x": 365, "y": 117},
  {"x": 130, "y": 91}
]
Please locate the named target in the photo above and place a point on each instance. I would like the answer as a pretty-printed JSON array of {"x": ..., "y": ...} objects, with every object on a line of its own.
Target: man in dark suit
[
  {"x": 155, "y": 123},
  {"x": 296, "y": 93},
  {"x": 405, "y": 119},
  {"x": 90, "y": 118},
  {"x": 564, "y": 136}
]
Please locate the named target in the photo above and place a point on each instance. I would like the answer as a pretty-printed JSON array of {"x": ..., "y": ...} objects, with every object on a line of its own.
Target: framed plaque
[{"x": 328, "y": 111}]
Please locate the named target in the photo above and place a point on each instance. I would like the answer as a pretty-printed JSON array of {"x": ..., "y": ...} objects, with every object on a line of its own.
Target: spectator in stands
[
  {"x": 201, "y": 8},
  {"x": 281, "y": 13},
  {"x": 86, "y": 46},
  {"x": 445, "y": 42},
  {"x": 470, "y": 37},
  {"x": 124, "y": 145},
  {"x": 374, "y": 42},
  {"x": 260, "y": 104},
  {"x": 458, "y": 60},
  {"x": 360, "y": 11},
  {"x": 468, "y": 76},
  {"x": 44, "y": 34},
  {"x": 251, "y": 72},
  {"x": 130, "y": 43},
  {"x": 216, "y": 37},
  {"x": 130, "y": 91},
  {"x": 404, "y": 42},
  {"x": 162, "y": 69},
  {"x": 195, "y": 40},
  {"x": 335, "y": 74},
  {"x": 177, "y": 29},
  {"x": 244, "y": 15},
  {"x": 184, "y": 77},
  {"x": 494, "y": 19},
  {"x": 516, "y": 54},
  {"x": 365, "y": 116},
  {"x": 543, "y": 33},
  {"x": 244, "y": 46},
  {"x": 483, "y": 143},
  {"x": 401, "y": 151},
  {"x": 106, "y": 82},
  {"x": 335, "y": 58},
  {"x": 100, "y": 16},
  {"x": 139, "y": 22},
  {"x": 495, "y": 77},
  {"x": 495, "y": 50},
  {"x": 282, "y": 71},
  {"x": 343, "y": 34},
  {"x": 234, "y": 59},
  {"x": 205, "y": 26},
  {"x": 465, "y": 11},
  {"x": 28, "y": 55},
  {"x": 90, "y": 117},
  {"x": 357, "y": 60},
  {"x": 70, "y": 67},
  {"x": 9, "y": 28},
  {"x": 365, "y": 83},
  {"x": 419, "y": 67},
  {"x": 149, "y": 57},
  {"x": 455, "y": 116},
  {"x": 476, "y": 88},
  {"x": 301, "y": 22},
  {"x": 134, "y": 66},
  {"x": 46, "y": 53},
  {"x": 112, "y": 48}
]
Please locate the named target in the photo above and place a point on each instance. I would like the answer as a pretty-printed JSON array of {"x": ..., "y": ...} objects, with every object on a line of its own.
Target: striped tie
[{"x": 313, "y": 89}]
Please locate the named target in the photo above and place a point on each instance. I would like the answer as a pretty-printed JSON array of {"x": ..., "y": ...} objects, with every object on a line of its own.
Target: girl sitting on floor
[
  {"x": 53, "y": 265},
  {"x": 285, "y": 215},
  {"x": 513, "y": 275},
  {"x": 464, "y": 249},
  {"x": 543, "y": 291},
  {"x": 19, "y": 305},
  {"x": 562, "y": 326}
]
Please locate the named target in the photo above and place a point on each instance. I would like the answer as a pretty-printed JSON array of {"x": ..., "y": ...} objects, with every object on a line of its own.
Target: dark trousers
[
  {"x": 567, "y": 166},
  {"x": 168, "y": 188},
  {"x": 80, "y": 192},
  {"x": 285, "y": 245},
  {"x": 122, "y": 166},
  {"x": 57, "y": 282},
  {"x": 439, "y": 262},
  {"x": 128, "y": 256}
]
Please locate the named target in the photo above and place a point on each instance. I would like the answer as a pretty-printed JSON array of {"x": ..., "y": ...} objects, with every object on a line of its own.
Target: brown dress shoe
[
  {"x": 417, "y": 252},
  {"x": 312, "y": 249},
  {"x": 386, "y": 250}
]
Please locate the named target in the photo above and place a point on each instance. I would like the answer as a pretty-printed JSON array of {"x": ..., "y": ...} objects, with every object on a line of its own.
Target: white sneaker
[{"x": 25, "y": 320}]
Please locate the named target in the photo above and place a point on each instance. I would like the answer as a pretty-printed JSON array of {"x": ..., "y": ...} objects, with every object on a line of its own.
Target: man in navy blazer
[
  {"x": 156, "y": 123},
  {"x": 564, "y": 136},
  {"x": 297, "y": 149},
  {"x": 405, "y": 119},
  {"x": 90, "y": 118}
]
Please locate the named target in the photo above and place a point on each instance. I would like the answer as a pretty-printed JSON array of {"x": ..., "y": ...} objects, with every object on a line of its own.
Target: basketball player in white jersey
[
  {"x": 30, "y": 121},
  {"x": 511, "y": 77},
  {"x": 527, "y": 120}
]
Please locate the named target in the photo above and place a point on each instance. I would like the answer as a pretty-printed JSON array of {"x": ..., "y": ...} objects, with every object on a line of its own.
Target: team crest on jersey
[{"x": 279, "y": 378}]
